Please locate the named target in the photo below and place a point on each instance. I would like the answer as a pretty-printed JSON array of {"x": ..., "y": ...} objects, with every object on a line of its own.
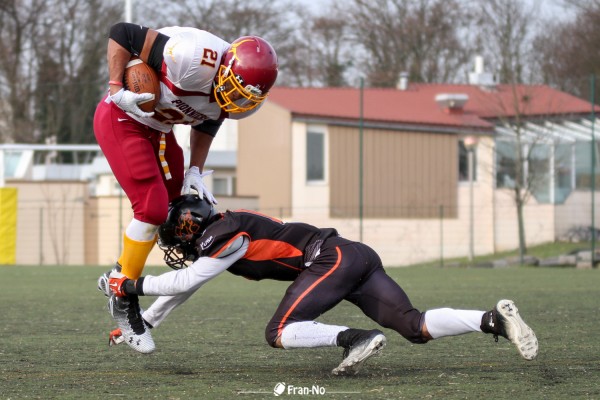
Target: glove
[
  {"x": 128, "y": 102},
  {"x": 115, "y": 337},
  {"x": 193, "y": 180},
  {"x": 117, "y": 285}
]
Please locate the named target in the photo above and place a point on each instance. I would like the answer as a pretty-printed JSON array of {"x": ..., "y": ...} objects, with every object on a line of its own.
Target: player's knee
[
  {"x": 419, "y": 335},
  {"x": 410, "y": 326},
  {"x": 156, "y": 206},
  {"x": 417, "y": 339},
  {"x": 271, "y": 335}
]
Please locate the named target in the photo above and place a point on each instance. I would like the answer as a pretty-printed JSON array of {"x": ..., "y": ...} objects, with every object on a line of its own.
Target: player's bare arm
[
  {"x": 126, "y": 40},
  {"x": 201, "y": 137},
  {"x": 199, "y": 145},
  {"x": 117, "y": 58}
]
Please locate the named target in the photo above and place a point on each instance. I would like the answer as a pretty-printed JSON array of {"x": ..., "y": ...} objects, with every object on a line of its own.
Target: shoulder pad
[{"x": 233, "y": 247}]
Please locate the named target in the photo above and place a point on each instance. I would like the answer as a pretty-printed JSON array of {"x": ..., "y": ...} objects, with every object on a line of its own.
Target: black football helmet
[{"x": 188, "y": 217}]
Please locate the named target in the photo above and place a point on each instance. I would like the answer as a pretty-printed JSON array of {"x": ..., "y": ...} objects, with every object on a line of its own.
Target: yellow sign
[{"x": 8, "y": 225}]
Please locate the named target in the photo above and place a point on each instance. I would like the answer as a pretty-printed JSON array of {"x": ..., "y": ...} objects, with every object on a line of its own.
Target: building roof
[{"x": 417, "y": 104}]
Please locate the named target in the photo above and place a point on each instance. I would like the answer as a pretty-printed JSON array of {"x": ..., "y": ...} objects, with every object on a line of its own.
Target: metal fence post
[
  {"x": 41, "y": 241},
  {"x": 442, "y": 236}
]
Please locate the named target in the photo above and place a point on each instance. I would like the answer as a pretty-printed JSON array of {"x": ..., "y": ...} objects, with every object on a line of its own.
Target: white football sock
[
  {"x": 141, "y": 231},
  {"x": 310, "y": 334},
  {"x": 449, "y": 322}
]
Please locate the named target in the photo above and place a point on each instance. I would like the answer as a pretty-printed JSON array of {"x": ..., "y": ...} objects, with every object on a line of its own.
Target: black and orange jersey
[{"x": 277, "y": 250}]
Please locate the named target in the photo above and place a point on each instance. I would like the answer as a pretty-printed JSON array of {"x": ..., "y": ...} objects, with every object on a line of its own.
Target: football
[{"x": 141, "y": 78}]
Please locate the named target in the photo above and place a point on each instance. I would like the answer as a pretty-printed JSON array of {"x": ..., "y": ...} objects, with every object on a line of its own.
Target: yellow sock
[{"x": 134, "y": 255}]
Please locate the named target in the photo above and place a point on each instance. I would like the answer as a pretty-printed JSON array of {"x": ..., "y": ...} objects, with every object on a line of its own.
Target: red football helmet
[{"x": 248, "y": 72}]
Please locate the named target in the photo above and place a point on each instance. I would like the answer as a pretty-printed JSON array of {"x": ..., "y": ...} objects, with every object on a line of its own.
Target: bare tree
[
  {"x": 229, "y": 19},
  {"x": 18, "y": 22},
  {"x": 568, "y": 52},
  {"x": 321, "y": 52},
  {"x": 71, "y": 72},
  {"x": 329, "y": 62},
  {"x": 421, "y": 37},
  {"x": 505, "y": 34},
  {"x": 525, "y": 146},
  {"x": 54, "y": 60}
]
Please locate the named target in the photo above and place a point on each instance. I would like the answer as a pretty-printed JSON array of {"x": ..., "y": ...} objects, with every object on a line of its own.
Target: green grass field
[{"x": 54, "y": 333}]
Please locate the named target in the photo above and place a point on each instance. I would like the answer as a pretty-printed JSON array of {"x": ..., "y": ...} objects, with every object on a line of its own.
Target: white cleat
[
  {"x": 365, "y": 346},
  {"x": 103, "y": 280},
  {"x": 103, "y": 284},
  {"x": 516, "y": 330},
  {"x": 127, "y": 313}
]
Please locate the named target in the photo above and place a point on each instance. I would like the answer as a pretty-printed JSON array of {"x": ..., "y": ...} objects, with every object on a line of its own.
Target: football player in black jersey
[{"x": 324, "y": 269}]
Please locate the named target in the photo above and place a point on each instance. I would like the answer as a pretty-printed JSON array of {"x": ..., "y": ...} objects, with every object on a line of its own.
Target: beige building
[
  {"x": 391, "y": 170},
  {"x": 410, "y": 197}
]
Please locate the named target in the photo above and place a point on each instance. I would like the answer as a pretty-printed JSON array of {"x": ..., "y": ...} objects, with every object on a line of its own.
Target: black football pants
[{"x": 352, "y": 271}]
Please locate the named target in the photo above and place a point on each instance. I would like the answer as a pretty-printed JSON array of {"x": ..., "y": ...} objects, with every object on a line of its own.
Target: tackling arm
[
  {"x": 191, "y": 278},
  {"x": 183, "y": 283},
  {"x": 162, "y": 307}
]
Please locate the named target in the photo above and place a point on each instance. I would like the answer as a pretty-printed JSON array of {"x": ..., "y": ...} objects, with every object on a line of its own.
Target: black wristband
[
  {"x": 139, "y": 286},
  {"x": 129, "y": 286}
]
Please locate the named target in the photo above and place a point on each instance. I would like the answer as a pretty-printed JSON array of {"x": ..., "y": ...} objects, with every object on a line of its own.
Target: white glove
[
  {"x": 193, "y": 180},
  {"x": 128, "y": 102}
]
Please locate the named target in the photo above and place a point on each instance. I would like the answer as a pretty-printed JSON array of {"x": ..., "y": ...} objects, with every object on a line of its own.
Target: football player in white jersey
[{"x": 203, "y": 80}]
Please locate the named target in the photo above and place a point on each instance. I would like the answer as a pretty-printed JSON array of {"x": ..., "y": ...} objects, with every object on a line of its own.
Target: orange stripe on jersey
[
  {"x": 308, "y": 290},
  {"x": 287, "y": 265},
  {"x": 266, "y": 249},
  {"x": 261, "y": 250}
]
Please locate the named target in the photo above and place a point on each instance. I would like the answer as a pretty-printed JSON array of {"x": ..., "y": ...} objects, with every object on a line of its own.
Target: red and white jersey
[{"x": 191, "y": 62}]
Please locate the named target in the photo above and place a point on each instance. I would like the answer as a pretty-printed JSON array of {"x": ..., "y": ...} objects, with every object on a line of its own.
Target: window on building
[
  {"x": 223, "y": 186},
  {"x": 220, "y": 187},
  {"x": 538, "y": 172},
  {"x": 506, "y": 164},
  {"x": 463, "y": 162},
  {"x": 11, "y": 162},
  {"x": 315, "y": 156},
  {"x": 583, "y": 165},
  {"x": 543, "y": 159},
  {"x": 563, "y": 172}
]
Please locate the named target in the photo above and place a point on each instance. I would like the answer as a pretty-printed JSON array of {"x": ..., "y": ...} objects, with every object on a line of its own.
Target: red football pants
[{"x": 131, "y": 150}]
